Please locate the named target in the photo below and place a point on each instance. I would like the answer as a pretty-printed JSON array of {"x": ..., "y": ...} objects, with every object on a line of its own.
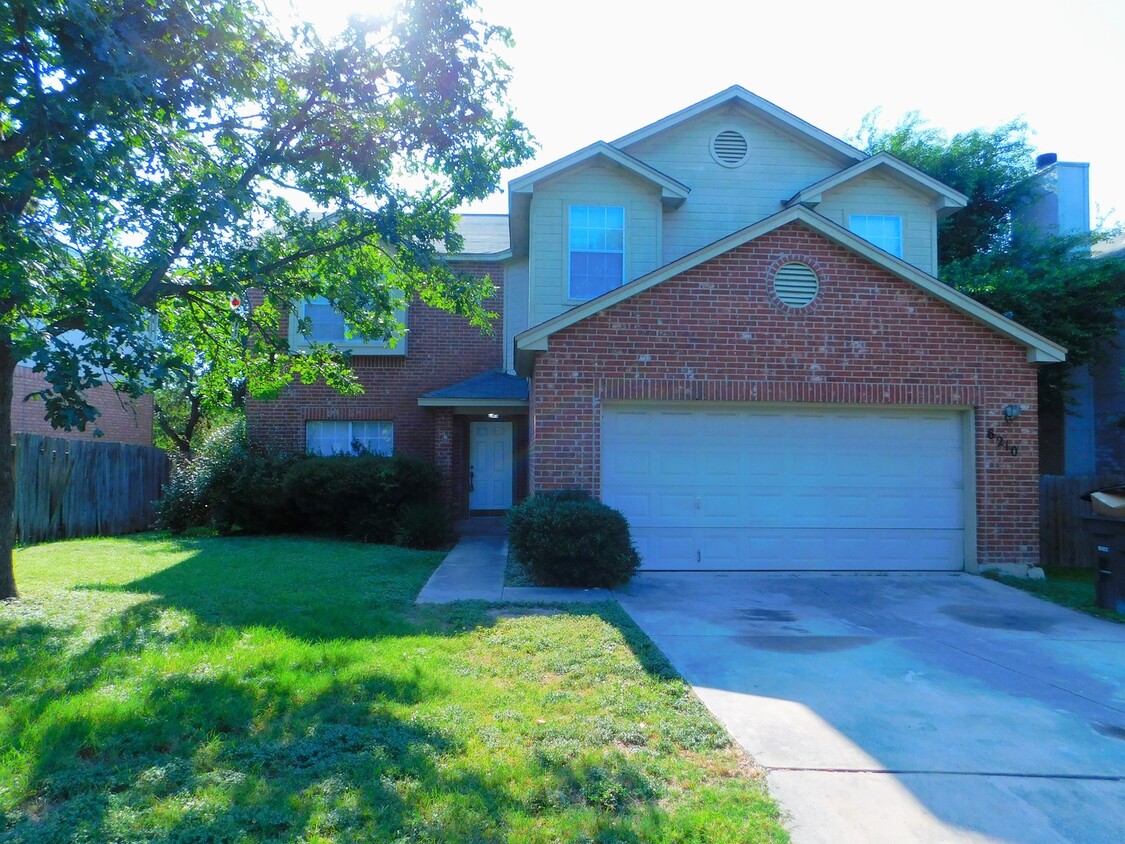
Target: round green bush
[{"x": 569, "y": 539}]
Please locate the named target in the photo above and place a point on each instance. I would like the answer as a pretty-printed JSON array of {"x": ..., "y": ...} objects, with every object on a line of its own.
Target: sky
[{"x": 588, "y": 70}]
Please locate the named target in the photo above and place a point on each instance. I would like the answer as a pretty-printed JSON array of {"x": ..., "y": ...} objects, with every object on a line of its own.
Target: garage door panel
[
  {"x": 815, "y": 487},
  {"x": 801, "y": 550}
]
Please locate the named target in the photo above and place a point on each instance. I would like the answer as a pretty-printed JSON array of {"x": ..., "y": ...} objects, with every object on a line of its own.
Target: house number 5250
[{"x": 1004, "y": 443}]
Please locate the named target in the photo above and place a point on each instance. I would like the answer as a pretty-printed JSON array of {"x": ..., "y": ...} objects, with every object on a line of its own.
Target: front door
[{"x": 490, "y": 465}]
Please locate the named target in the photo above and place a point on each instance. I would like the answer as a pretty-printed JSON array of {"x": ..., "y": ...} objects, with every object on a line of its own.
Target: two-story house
[{"x": 727, "y": 325}]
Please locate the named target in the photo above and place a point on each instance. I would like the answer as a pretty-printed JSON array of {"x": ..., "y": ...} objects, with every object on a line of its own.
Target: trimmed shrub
[
  {"x": 425, "y": 525},
  {"x": 358, "y": 496},
  {"x": 569, "y": 539},
  {"x": 230, "y": 486}
]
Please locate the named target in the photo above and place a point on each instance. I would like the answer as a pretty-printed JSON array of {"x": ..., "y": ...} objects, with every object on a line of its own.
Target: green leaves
[
  {"x": 1051, "y": 284},
  {"x": 994, "y": 168},
  {"x": 157, "y": 156}
]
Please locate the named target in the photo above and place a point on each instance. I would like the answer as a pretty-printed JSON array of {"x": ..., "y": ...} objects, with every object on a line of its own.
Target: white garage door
[{"x": 777, "y": 487}]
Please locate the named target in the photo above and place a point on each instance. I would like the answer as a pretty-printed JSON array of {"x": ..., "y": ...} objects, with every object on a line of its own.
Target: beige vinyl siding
[
  {"x": 726, "y": 199},
  {"x": 593, "y": 184},
  {"x": 872, "y": 193},
  {"x": 515, "y": 307}
]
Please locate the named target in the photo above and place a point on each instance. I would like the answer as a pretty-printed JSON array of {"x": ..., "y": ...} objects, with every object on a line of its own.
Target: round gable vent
[
  {"x": 730, "y": 147},
  {"x": 796, "y": 284}
]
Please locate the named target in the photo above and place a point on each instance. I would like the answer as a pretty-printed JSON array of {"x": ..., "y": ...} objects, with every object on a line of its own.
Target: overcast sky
[{"x": 587, "y": 70}]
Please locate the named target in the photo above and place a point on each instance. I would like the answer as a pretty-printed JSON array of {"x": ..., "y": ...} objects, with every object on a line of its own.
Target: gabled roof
[
  {"x": 945, "y": 199},
  {"x": 673, "y": 193},
  {"x": 738, "y": 94},
  {"x": 1039, "y": 348},
  {"x": 494, "y": 389}
]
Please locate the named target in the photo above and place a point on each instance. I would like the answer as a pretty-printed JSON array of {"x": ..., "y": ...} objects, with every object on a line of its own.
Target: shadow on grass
[
  {"x": 187, "y": 718},
  {"x": 308, "y": 588}
]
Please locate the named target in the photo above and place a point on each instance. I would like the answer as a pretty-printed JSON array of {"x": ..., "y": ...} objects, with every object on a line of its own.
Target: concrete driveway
[{"x": 905, "y": 708}]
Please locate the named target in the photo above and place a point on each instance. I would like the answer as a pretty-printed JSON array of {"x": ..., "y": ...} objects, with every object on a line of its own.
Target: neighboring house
[
  {"x": 123, "y": 419},
  {"x": 727, "y": 325},
  {"x": 1088, "y": 436}
]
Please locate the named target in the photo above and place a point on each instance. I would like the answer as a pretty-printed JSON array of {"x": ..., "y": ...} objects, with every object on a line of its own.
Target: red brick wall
[
  {"x": 717, "y": 333},
  {"x": 442, "y": 349},
  {"x": 122, "y": 419}
]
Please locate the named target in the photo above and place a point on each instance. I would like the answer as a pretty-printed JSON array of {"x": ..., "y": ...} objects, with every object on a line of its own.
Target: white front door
[{"x": 490, "y": 465}]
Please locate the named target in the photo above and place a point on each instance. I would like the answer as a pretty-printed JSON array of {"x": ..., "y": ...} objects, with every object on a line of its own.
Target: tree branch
[{"x": 150, "y": 291}]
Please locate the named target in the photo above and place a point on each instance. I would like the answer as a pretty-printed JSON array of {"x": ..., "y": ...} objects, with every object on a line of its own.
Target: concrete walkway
[{"x": 474, "y": 571}]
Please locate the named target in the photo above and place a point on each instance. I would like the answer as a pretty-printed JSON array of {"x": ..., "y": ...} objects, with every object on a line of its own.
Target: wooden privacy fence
[
  {"x": 72, "y": 488},
  {"x": 1062, "y": 535}
]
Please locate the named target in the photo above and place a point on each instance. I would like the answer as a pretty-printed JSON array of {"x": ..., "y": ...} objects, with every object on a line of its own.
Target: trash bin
[{"x": 1107, "y": 538}]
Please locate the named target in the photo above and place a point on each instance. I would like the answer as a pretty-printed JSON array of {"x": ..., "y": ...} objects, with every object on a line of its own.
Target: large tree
[
  {"x": 159, "y": 157},
  {"x": 1049, "y": 282}
]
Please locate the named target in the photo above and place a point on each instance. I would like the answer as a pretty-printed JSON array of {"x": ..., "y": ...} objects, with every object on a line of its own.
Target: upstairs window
[
  {"x": 327, "y": 325},
  {"x": 597, "y": 250},
  {"x": 343, "y": 437},
  {"x": 885, "y": 232}
]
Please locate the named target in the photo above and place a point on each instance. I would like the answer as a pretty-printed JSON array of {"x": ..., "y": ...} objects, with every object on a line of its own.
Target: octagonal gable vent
[
  {"x": 796, "y": 284},
  {"x": 730, "y": 147}
]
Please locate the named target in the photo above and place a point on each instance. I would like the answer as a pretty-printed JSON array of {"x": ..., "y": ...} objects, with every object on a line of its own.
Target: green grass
[
  {"x": 265, "y": 689},
  {"x": 1072, "y": 588}
]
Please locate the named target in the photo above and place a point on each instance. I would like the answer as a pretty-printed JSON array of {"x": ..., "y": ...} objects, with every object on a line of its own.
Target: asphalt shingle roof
[
  {"x": 484, "y": 234},
  {"x": 488, "y": 385}
]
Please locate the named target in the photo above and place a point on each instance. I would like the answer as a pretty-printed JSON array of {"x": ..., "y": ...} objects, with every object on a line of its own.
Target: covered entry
[
  {"x": 779, "y": 487},
  {"x": 480, "y": 441}
]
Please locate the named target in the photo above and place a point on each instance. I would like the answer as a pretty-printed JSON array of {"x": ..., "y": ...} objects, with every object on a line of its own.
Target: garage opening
[{"x": 783, "y": 487}]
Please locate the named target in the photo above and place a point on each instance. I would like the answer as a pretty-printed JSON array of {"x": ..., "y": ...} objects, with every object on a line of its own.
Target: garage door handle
[{"x": 699, "y": 502}]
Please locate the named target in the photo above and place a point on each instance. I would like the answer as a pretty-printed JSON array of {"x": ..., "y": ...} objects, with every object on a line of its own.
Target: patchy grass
[
  {"x": 1069, "y": 587},
  {"x": 265, "y": 689}
]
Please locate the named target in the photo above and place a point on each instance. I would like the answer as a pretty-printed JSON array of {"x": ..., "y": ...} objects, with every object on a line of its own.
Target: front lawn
[
  {"x": 264, "y": 689},
  {"x": 1072, "y": 588}
]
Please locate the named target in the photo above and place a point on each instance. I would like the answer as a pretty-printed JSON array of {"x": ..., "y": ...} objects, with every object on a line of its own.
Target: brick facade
[
  {"x": 442, "y": 349},
  {"x": 717, "y": 333},
  {"x": 122, "y": 420}
]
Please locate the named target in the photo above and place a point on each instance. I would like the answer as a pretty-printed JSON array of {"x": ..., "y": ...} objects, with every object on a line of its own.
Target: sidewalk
[{"x": 474, "y": 571}]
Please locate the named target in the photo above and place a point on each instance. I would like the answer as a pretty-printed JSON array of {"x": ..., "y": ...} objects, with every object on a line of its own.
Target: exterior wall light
[
  {"x": 1011, "y": 411},
  {"x": 494, "y": 416}
]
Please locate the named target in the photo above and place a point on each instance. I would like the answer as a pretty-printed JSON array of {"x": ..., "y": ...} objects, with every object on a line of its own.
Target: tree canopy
[
  {"x": 1047, "y": 281},
  {"x": 158, "y": 157}
]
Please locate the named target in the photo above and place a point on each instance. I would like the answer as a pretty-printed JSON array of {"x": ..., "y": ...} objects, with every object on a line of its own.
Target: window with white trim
[
  {"x": 327, "y": 325},
  {"x": 332, "y": 437},
  {"x": 597, "y": 249},
  {"x": 884, "y": 231}
]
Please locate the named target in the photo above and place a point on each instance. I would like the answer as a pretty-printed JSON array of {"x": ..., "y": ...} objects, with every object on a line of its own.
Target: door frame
[{"x": 512, "y": 435}]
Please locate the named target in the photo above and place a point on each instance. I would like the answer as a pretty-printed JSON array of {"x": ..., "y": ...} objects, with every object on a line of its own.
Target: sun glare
[{"x": 328, "y": 17}]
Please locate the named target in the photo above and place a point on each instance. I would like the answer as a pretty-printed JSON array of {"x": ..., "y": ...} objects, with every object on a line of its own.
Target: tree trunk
[{"x": 7, "y": 475}]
